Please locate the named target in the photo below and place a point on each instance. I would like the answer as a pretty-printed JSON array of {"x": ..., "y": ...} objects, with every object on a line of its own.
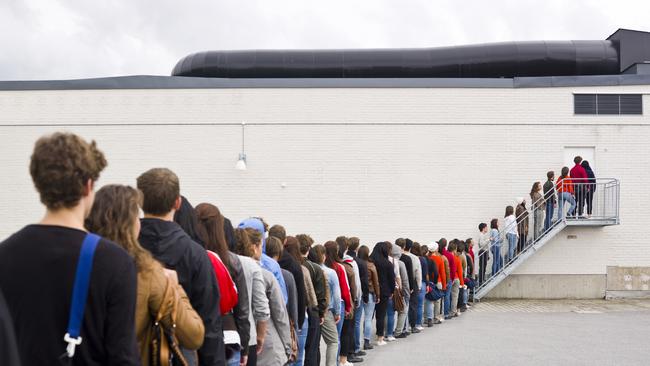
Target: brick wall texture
[{"x": 375, "y": 163}]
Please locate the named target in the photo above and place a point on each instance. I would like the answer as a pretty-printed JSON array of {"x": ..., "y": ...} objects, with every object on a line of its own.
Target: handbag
[
  {"x": 433, "y": 293},
  {"x": 398, "y": 299},
  {"x": 470, "y": 283},
  {"x": 165, "y": 350},
  {"x": 79, "y": 297}
]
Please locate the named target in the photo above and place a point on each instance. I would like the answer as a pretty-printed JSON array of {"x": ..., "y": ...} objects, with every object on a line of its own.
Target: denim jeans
[
  {"x": 368, "y": 310},
  {"x": 448, "y": 299},
  {"x": 497, "y": 260},
  {"x": 302, "y": 339},
  {"x": 512, "y": 245},
  {"x": 428, "y": 309},
  {"x": 566, "y": 196},
  {"x": 420, "y": 310},
  {"x": 234, "y": 359},
  {"x": 390, "y": 318},
  {"x": 549, "y": 214},
  {"x": 358, "y": 319},
  {"x": 339, "y": 329}
]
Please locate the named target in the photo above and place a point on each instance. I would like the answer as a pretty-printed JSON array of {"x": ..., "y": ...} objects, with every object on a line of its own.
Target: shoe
[
  {"x": 415, "y": 330},
  {"x": 420, "y": 328},
  {"x": 367, "y": 345},
  {"x": 348, "y": 363},
  {"x": 468, "y": 305},
  {"x": 429, "y": 323},
  {"x": 437, "y": 321},
  {"x": 463, "y": 309},
  {"x": 360, "y": 353},
  {"x": 401, "y": 335},
  {"x": 390, "y": 339},
  {"x": 381, "y": 343},
  {"x": 354, "y": 359},
  {"x": 447, "y": 317}
]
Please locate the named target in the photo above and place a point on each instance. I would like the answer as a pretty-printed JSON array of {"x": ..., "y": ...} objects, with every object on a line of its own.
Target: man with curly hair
[{"x": 38, "y": 265}]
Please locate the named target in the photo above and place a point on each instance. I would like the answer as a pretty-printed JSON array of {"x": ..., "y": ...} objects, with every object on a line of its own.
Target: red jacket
[
  {"x": 345, "y": 287},
  {"x": 452, "y": 264},
  {"x": 578, "y": 173}
]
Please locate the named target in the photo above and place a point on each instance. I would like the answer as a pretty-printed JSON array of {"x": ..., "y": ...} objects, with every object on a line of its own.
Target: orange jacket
[
  {"x": 565, "y": 185},
  {"x": 442, "y": 276}
]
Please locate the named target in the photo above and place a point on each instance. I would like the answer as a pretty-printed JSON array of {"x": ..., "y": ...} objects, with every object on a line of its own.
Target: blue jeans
[
  {"x": 549, "y": 214},
  {"x": 420, "y": 310},
  {"x": 358, "y": 318},
  {"x": 448, "y": 299},
  {"x": 512, "y": 245},
  {"x": 368, "y": 311},
  {"x": 428, "y": 309},
  {"x": 302, "y": 339},
  {"x": 497, "y": 261},
  {"x": 390, "y": 319},
  {"x": 234, "y": 359},
  {"x": 566, "y": 196}
]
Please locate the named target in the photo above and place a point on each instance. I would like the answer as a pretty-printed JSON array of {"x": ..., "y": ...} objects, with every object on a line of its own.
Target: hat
[
  {"x": 433, "y": 246},
  {"x": 255, "y": 223},
  {"x": 442, "y": 242}
]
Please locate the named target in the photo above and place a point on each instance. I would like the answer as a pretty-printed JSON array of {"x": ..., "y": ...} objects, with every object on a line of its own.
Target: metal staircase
[{"x": 605, "y": 194}]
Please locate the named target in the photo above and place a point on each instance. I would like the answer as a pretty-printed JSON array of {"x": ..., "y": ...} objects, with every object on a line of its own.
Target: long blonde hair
[{"x": 113, "y": 216}]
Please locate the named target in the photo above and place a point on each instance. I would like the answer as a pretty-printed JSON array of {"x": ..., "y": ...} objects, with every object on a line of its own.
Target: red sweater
[
  {"x": 345, "y": 287},
  {"x": 578, "y": 173},
  {"x": 452, "y": 264}
]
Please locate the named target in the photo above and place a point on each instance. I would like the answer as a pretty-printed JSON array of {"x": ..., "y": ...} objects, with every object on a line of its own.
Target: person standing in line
[
  {"x": 38, "y": 265},
  {"x": 115, "y": 216},
  {"x": 316, "y": 313},
  {"x": 497, "y": 243},
  {"x": 390, "y": 311},
  {"x": 450, "y": 268},
  {"x": 275, "y": 346},
  {"x": 441, "y": 283},
  {"x": 521, "y": 213},
  {"x": 580, "y": 180},
  {"x": 483, "y": 250},
  {"x": 510, "y": 227},
  {"x": 210, "y": 231},
  {"x": 590, "y": 188},
  {"x": 549, "y": 198},
  {"x": 416, "y": 250},
  {"x": 359, "y": 311},
  {"x": 373, "y": 296},
  {"x": 407, "y": 281},
  {"x": 457, "y": 278},
  {"x": 333, "y": 260},
  {"x": 354, "y": 279},
  {"x": 332, "y": 316},
  {"x": 415, "y": 291},
  {"x": 274, "y": 251},
  {"x": 170, "y": 245},
  {"x": 565, "y": 191},
  {"x": 386, "y": 278},
  {"x": 258, "y": 303},
  {"x": 538, "y": 207},
  {"x": 460, "y": 250}
]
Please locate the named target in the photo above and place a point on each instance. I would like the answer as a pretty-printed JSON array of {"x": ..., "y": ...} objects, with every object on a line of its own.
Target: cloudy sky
[{"x": 64, "y": 39}]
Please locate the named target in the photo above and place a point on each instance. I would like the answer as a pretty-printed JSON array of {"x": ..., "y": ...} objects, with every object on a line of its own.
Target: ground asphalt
[{"x": 594, "y": 332}]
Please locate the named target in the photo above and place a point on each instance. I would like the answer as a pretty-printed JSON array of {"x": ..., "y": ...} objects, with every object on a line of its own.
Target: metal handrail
[{"x": 605, "y": 185}]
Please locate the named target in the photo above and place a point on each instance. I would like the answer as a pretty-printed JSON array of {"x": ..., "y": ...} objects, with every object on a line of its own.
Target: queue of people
[{"x": 93, "y": 283}]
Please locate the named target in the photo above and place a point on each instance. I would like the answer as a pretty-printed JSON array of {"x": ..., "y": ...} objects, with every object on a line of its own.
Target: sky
[{"x": 72, "y": 39}]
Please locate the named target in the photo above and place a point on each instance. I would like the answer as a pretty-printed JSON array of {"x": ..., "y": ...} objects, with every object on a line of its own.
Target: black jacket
[
  {"x": 320, "y": 286},
  {"x": 241, "y": 309},
  {"x": 386, "y": 276},
  {"x": 433, "y": 270},
  {"x": 409, "y": 269},
  {"x": 8, "y": 345},
  {"x": 170, "y": 245},
  {"x": 288, "y": 263},
  {"x": 363, "y": 274}
]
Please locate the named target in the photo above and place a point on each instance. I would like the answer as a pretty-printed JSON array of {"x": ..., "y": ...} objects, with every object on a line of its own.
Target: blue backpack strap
[{"x": 80, "y": 292}]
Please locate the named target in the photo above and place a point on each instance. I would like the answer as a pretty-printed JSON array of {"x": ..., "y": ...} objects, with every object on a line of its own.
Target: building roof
[{"x": 179, "y": 82}]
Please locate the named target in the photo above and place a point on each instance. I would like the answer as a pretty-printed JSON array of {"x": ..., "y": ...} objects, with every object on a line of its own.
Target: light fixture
[{"x": 241, "y": 163}]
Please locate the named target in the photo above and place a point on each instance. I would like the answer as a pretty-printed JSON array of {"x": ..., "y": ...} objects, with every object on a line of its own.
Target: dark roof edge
[{"x": 179, "y": 82}]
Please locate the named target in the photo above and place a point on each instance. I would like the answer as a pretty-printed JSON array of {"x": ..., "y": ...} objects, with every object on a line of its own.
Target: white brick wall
[{"x": 376, "y": 163}]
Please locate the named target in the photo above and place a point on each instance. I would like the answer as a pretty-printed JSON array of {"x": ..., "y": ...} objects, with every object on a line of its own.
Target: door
[{"x": 586, "y": 152}]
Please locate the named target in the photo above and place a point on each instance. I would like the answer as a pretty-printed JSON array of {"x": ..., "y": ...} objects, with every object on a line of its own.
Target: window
[{"x": 615, "y": 104}]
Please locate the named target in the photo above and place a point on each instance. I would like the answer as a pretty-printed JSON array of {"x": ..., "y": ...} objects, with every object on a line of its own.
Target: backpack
[
  {"x": 227, "y": 288},
  {"x": 433, "y": 293}
]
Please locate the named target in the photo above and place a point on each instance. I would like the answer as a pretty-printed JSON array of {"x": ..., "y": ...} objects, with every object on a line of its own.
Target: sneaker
[
  {"x": 390, "y": 339},
  {"x": 381, "y": 343},
  {"x": 415, "y": 330},
  {"x": 438, "y": 321},
  {"x": 420, "y": 328},
  {"x": 401, "y": 335},
  {"x": 347, "y": 363},
  {"x": 447, "y": 317},
  {"x": 360, "y": 353}
]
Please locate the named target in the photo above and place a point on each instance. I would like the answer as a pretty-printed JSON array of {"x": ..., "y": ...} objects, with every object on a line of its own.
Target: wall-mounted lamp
[{"x": 241, "y": 163}]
